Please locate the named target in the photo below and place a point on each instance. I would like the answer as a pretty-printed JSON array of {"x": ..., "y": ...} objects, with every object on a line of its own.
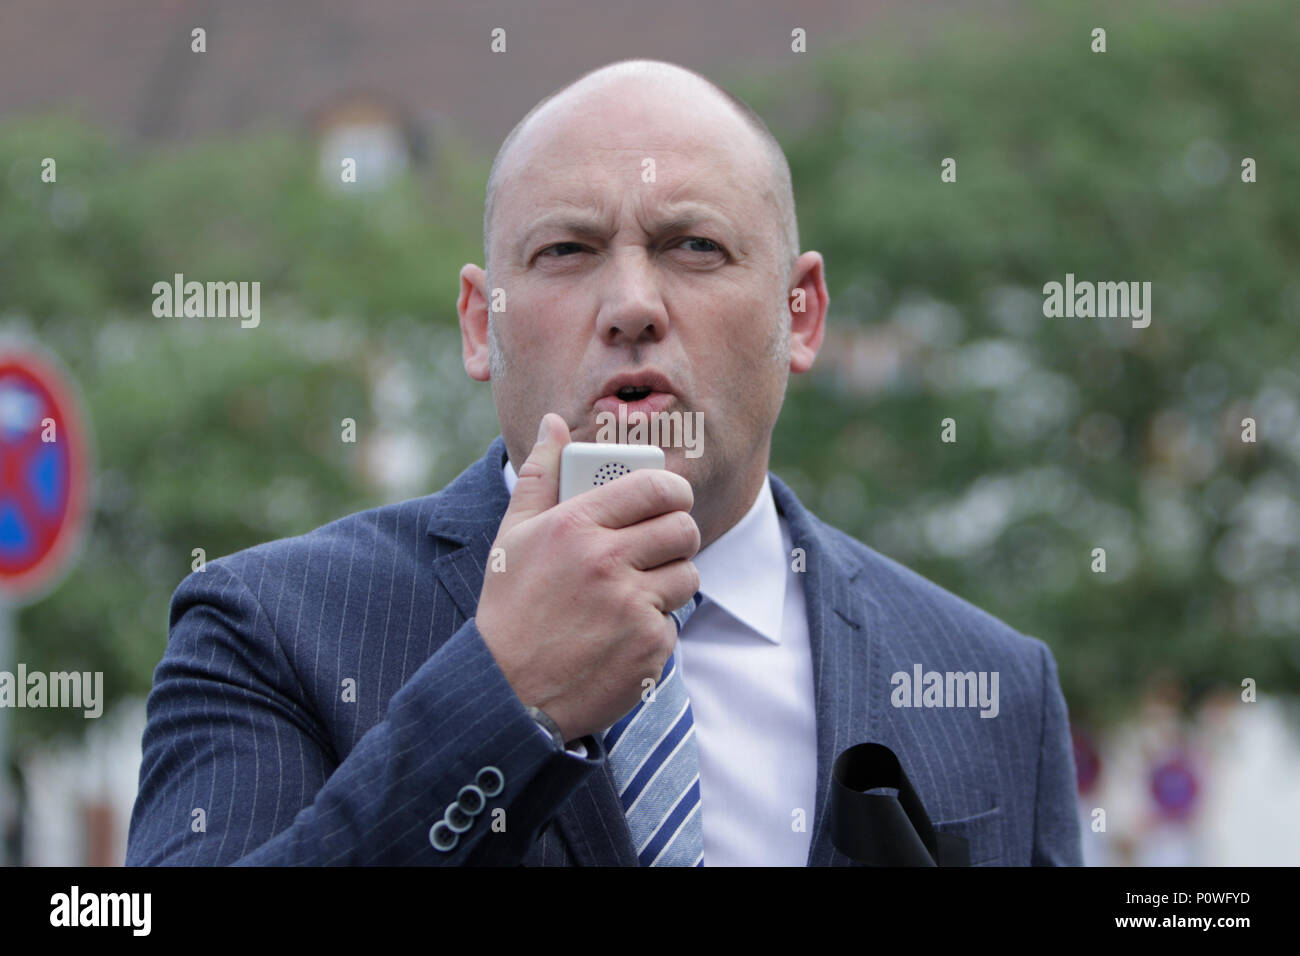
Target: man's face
[{"x": 632, "y": 234}]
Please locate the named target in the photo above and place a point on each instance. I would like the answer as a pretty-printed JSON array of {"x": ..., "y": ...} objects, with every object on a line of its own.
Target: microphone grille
[{"x": 609, "y": 471}]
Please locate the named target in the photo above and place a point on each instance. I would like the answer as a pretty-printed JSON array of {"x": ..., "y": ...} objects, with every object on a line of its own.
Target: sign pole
[{"x": 8, "y": 792}]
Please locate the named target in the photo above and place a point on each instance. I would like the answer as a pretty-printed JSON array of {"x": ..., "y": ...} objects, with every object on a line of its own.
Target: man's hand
[{"x": 579, "y": 617}]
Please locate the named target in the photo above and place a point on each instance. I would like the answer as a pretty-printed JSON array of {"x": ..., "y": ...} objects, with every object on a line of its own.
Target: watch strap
[{"x": 548, "y": 724}]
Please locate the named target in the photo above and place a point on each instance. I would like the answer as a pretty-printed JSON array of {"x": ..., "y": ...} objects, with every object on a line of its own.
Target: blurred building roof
[{"x": 128, "y": 64}]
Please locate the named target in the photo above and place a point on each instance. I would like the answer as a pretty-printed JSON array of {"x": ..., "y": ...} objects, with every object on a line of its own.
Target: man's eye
[
  {"x": 710, "y": 242},
  {"x": 549, "y": 250}
]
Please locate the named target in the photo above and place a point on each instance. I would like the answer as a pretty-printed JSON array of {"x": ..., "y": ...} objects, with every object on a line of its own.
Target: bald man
[{"x": 671, "y": 669}]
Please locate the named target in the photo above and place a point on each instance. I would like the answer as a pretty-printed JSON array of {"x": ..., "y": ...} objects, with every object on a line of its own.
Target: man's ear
[
  {"x": 472, "y": 306},
  {"x": 807, "y": 301}
]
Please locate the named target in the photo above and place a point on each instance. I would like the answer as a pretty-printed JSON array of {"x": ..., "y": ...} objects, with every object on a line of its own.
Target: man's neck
[{"x": 717, "y": 510}]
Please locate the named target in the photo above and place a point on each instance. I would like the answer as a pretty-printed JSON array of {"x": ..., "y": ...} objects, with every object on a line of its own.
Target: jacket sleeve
[
  {"x": 1057, "y": 836},
  {"x": 238, "y": 768}
]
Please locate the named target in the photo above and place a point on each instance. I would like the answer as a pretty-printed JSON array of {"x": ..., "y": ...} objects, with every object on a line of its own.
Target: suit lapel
[
  {"x": 465, "y": 519},
  {"x": 847, "y": 647}
]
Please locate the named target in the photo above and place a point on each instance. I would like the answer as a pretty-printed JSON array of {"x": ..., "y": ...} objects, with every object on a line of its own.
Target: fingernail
[{"x": 541, "y": 431}]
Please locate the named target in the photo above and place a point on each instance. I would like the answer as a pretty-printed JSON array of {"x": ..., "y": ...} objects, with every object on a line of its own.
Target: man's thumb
[{"x": 538, "y": 484}]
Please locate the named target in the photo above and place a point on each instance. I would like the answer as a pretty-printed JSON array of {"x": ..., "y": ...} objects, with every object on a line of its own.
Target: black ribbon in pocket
[{"x": 881, "y": 829}]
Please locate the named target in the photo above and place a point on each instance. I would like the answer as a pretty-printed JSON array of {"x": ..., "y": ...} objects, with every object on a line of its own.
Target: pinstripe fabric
[
  {"x": 321, "y": 699},
  {"x": 656, "y": 767}
]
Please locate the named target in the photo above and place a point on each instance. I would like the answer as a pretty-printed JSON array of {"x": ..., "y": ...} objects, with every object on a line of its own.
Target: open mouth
[
  {"x": 644, "y": 391},
  {"x": 633, "y": 393}
]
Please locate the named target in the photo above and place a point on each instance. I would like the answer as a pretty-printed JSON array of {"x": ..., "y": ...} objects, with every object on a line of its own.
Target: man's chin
[{"x": 675, "y": 460}]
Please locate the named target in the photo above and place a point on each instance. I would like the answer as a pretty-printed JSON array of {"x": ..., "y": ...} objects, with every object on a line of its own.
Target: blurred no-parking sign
[{"x": 44, "y": 469}]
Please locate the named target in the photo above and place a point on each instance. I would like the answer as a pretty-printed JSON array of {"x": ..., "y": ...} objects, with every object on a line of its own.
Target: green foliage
[
  {"x": 209, "y": 435},
  {"x": 1072, "y": 433}
]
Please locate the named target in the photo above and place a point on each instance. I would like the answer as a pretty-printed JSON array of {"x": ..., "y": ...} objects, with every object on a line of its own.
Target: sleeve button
[
  {"x": 457, "y": 820},
  {"x": 471, "y": 799},
  {"x": 491, "y": 781},
  {"x": 442, "y": 837}
]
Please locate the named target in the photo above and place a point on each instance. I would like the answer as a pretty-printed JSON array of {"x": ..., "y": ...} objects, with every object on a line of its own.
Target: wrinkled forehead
[{"x": 639, "y": 154}]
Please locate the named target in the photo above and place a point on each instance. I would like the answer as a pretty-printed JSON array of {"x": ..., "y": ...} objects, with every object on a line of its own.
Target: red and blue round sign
[
  {"x": 1174, "y": 787},
  {"x": 44, "y": 470}
]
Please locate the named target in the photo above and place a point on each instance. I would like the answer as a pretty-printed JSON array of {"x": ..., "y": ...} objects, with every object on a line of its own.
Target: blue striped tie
[{"x": 656, "y": 767}]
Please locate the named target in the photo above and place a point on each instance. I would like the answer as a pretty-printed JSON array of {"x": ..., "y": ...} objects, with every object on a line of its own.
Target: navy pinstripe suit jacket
[{"x": 254, "y": 752}]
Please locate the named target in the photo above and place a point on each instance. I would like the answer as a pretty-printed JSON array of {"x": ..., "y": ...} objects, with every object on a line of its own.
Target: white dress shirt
[{"x": 746, "y": 662}]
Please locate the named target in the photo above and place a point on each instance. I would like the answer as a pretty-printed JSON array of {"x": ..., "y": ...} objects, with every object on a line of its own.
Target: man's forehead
[
  {"x": 591, "y": 158},
  {"x": 602, "y": 219},
  {"x": 579, "y": 205},
  {"x": 663, "y": 186},
  {"x": 657, "y": 184}
]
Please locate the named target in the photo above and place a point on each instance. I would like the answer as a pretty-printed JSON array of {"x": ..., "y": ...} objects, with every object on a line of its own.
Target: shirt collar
[{"x": 744, "y": 571}]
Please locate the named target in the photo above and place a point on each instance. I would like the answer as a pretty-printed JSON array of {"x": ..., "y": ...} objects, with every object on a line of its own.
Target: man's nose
[{"x": 632, "y": 309}]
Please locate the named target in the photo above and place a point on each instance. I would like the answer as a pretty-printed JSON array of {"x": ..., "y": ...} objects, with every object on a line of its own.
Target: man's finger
[
  {"x": 638, "y": 495},
  {"x": 538, "y": 485}
]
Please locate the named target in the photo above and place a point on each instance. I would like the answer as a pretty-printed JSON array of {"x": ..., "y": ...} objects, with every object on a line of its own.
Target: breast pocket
[{"x": 982, "y": 833}]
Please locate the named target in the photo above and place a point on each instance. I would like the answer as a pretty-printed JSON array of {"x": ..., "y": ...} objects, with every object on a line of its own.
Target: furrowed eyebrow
[
  {"x": 592, "y": 229},
  {"x": 688, "y": 221},
  {"x": 585, "y": 228},
  {"x": 693, "y": 214}
]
